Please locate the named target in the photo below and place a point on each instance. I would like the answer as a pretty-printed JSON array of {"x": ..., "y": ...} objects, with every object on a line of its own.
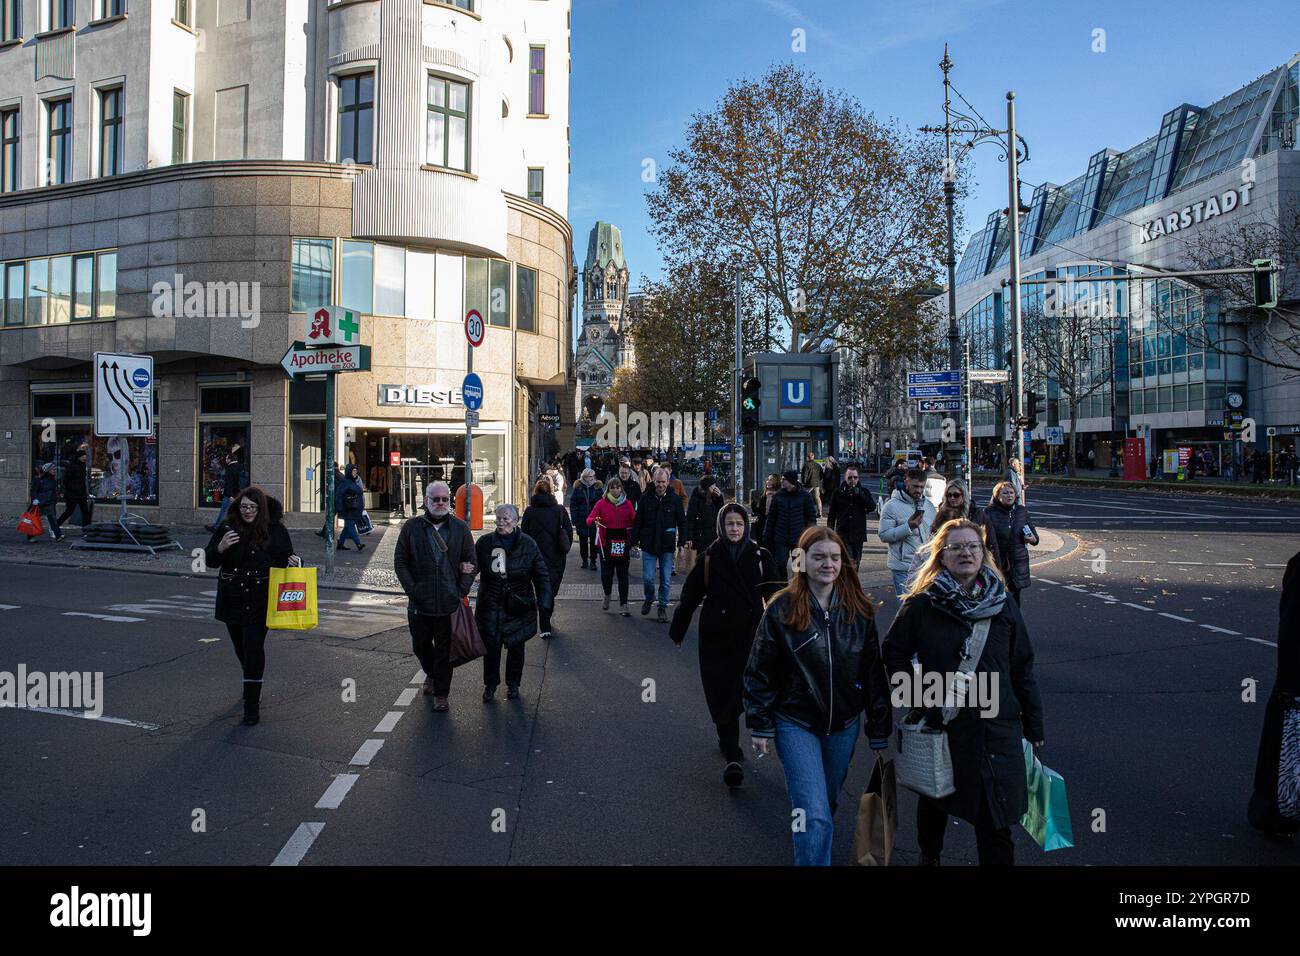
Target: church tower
[{"x": 604, "y": 344}]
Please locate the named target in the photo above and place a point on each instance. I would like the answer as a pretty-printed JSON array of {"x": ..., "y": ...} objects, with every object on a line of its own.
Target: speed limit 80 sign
[{"x": 474, "y": 328}]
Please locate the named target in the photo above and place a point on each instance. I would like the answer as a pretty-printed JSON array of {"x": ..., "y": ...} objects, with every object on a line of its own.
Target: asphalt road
[{"x": 1144, "y": 636}]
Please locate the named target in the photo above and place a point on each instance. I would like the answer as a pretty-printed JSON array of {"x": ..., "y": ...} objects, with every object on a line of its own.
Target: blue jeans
[
  {"x": 815, "y": 767},
  {"x": 349, "y": 531},
  {"x": 661, "y": 564},
  {"x": 221, "y": 514},
  {"x": 902, "y": 582}
]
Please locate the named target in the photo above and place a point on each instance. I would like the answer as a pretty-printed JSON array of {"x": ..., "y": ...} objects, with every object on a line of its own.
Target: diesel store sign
[
  {"x": 1197, "y": 212},
  {"x": 422, "y": 396}
]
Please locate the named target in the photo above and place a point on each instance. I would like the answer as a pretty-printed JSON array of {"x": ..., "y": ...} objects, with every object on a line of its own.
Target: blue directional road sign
[
  {"x": 939, "y": 405},
  {"x": 934, "y": 391},
  {"x": 472, "y": 391},
  {"x": 933, "y": 378}
]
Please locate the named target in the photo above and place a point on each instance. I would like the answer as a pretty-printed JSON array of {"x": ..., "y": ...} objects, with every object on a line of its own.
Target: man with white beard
[{"x": 435, "y": 563}]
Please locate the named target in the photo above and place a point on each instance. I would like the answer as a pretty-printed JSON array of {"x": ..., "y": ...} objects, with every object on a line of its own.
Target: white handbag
[{"x": 924, "y": 760}]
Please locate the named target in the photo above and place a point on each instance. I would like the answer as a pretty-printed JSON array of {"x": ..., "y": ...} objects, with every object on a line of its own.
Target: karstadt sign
[{"x": 1195, "y": 213}]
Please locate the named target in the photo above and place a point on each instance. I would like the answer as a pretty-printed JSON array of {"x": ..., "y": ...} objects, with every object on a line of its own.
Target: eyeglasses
[
  {"x": 954, "y": 494},
  {"x": 963, "y": 547},
  {"x": 436, "y": 500},
  {"x": 247, "y": 506}
]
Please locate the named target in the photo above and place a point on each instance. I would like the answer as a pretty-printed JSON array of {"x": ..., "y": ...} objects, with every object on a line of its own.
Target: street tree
[{"x": 835, "y": 216}]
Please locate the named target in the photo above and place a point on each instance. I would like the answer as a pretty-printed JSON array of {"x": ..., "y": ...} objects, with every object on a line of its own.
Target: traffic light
[
  {"x": 1030, "y": 419},
  {"x": 749, "y": 404},
  {"x": 1265, "y": 283},
  {"x": 593, "y": 404}
]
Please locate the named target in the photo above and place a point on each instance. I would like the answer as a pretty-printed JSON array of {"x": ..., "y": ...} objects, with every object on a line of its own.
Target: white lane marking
[
  {"x": 1233, "y": 564},
  {"x": 1175, "y": 617},
  {"x": 1221, "y": 630},
  {"x": 1048, "y": 581},
  {"x": 9, "y": 607},
  {"x": 1138, "y": 606},
  {"x": 1275, "y": 565},
  {"x": 1260, "y": 640},
  {"x": 122, "y": 721},
  {"x": 298, "y": 844},
  {"x": 114, "y": 618},
  {"x": 389, "y": 722},
  {"x": 405, "y": 697},
  {"x": 1075, "y": 587},
  {"x": 1131, "y": 561},
  {"x": 366, "y": 753},
  {"x": 336, "y": 791},
  {"x": 1186, "y": 562},
  {"x": 419, "y": 677}
]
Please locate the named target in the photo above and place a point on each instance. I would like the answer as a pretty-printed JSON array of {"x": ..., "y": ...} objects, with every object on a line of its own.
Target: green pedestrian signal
[{"x": 749, "y": 404}]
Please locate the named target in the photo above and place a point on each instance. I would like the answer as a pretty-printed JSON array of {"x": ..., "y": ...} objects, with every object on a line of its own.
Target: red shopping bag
[{"x": 30, "y": 523}]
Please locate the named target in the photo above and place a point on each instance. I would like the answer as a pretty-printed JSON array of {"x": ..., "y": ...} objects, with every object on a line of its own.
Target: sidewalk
[{"x": 1100, "y": 477}]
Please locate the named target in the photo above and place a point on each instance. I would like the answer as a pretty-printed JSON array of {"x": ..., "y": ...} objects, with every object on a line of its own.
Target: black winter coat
[
  {"x": 849, "y": 510},
  {"x": 986, "y": 751},
  {"x": 349, "y": 498},
  {"x": 758, "y": 509},
  {"x": 507, "y": 603},
  {"x": 702, "y": 518},
  {"x": 547, "y": 523},
  {"x": 732, "y": 602},
  {"x": 788, "y": 515},
  {"x": 632, "y": 488},
  {"x": 232, "y": 480},
  {"x": 1262, "y": 810},
  {"x": 431, "y": 579},
  {"x": 76, "y": 486},
  {"x": 821, "y": 678},
  {"x": 1013, "y": 552},
  {"x": 581, "y": 500},
  {"x": 44, "y": 489},
  {"x": 243, "y": 578},
  {"x": 660, "y": 526}
]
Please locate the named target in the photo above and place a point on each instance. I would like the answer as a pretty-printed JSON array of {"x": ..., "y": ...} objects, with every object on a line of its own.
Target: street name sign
[
  {"x": 934, "y": 391},
  {"x": 471, "y": 418},
  {"x": 123, "y": 394},
  {"x": 939, "y": 405},
  {"x": 989, "y": 375},
  {"x": 299, "y": 359}
]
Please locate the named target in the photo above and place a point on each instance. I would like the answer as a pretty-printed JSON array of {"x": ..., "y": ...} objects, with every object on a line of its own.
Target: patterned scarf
[
  {"x": 609, "y": 496},
  {"x": 985, "y": 598}
]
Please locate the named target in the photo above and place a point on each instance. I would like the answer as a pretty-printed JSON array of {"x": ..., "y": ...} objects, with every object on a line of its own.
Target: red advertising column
[{"x": 1135, "y": 459}]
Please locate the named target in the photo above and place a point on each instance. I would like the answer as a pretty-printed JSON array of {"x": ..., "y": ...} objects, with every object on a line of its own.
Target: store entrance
[{"x": 396, "y": 465}]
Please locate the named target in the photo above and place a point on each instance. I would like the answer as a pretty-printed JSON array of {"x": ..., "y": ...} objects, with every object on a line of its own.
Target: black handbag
[{"x": 519, "y": 605}]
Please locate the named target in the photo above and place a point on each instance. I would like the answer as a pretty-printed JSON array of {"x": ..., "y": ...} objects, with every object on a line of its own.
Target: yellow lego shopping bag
[{"x": 291, "y": 599}]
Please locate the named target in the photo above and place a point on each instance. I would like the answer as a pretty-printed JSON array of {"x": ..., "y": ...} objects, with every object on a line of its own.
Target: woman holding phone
[
  {"x": 248, "y": 542},
  {"x": 1011, "y": 524},
  {"x": 612, "y": 517}
]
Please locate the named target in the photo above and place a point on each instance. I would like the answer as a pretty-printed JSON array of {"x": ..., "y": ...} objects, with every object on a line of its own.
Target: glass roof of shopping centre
[{"x": 1191, "y": 144}]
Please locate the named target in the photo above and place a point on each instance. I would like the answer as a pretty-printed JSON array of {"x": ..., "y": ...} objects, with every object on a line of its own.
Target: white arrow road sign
[{"x": 123, "y": 394}]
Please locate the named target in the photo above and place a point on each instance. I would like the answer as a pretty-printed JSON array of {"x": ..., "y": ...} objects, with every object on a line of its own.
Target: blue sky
[{"x": 642, "y": 67}]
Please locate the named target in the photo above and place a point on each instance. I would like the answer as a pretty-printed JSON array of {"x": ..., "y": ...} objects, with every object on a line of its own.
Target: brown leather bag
[{"x": 466, "y": 642}]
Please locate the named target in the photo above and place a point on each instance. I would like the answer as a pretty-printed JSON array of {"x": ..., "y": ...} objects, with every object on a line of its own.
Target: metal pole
[
  {"x": 949, "y": 188},
  {"x": 330, "y": 425},
  {"x": 970, "y": 461},
  {"x": 469, "y": 432},
  {"x": 1114, "y": 420},
  {"x": 1013, "y": 220},
  {"x": 737, "y": 457}
]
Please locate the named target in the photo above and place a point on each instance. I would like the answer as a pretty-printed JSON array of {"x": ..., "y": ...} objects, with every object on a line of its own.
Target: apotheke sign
[
  {"x": 424, "y": 396},
  {"x": 1197, "y": 212}
]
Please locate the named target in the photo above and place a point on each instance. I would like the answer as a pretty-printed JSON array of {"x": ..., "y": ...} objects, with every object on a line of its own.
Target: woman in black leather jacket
[
  {"x": 814, "y": 669},
  {"x": 1015, "y": 531}
]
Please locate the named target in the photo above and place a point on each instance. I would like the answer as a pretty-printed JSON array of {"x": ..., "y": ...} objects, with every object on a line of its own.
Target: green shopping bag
[{"x": 1048, "y": 818}]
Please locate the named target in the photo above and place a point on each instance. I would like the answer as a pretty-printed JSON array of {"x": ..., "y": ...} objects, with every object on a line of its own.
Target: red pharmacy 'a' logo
[
  {"x": 292, "y": 598},
  {"x": 320, "y": 324}
]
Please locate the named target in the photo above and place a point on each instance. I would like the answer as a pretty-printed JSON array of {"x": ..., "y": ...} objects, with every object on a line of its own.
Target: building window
[
  {"x": 11, "y": 13},
  {"x": 390, "y": 280},
  {"x": 536, "y": 80},
  {"x": 463, "y": 4},
  {"x": 58, "y": 144},
  {"x": 357, "y": 276},
  {"x": 525, "y": 299},
  {"x": 180, "y": 125},
  {"x": 311, "y": 274},
  {"x": 110, "y": 131},
  {"x": 10, "y": 149},
  {"x": 118, "y": 467},
  {"x": 356, "y": 118},
  {"x": 58, "y": 14},
  {"x": 83, "y": 288},
  {"x": 106, "y": 285},
  {"x": 110, "y": 8},
  {"x": 499, "y": 294},
  {"x": 184, "y": 9},
  {"x": 15, "y": 281},
  {"x": 535, "y": 185},
  {"x": 225, "y": 427},
  {"x": 447, "y": 123}
]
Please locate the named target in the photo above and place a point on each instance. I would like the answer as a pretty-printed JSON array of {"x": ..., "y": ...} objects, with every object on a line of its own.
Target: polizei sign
[{"x": 1197, "y": 212}]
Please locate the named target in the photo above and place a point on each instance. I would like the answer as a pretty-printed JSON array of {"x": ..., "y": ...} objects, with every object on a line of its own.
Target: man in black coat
[
  {"x": 791, "y": 511},
  {"x": 631, "y": 485},
  {"x": 435, "y": 562},
  {"x": 76, "y": 488},
  {"x": 702, "y": 513},
  {"x": 547, "y": 522},
  {"x": 850, "y": 505},
  {"x": 660, "y": 524}
]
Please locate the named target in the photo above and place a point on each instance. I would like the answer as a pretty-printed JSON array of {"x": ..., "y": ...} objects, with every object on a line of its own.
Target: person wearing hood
[
  {"x": 957, "y": 590},
  {"x": 582, "y": 499},
  {"x": 250, "y": 540},
  {"x": 514, "y": 584},
  {"x": 613, "y": 518},
  {"x": 789, "y": 513},
  {"x": 435, "y": 562},
  {"x": 547, "y": 522},
  {"x": 905, "y": 523},
  {"x": 349, "y": 503},
  {"x": 813, "y": 673},
  {"x": 702, "y": 514},
  {"x": 45, "y": 495},
  {"x": 730, "y": 583}
]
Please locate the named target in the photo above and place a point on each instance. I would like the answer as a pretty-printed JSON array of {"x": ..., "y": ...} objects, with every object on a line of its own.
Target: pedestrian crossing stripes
[{"x": 203, "y": 607}]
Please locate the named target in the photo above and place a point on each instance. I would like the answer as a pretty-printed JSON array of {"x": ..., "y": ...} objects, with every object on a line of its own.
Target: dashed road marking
[
  {"x": 1260, "y": 640},
  {"x": 419, "y": 677},
  {"x": 9, "y": 607},
  {"x": 1175, "y": 617},
  {"x": 366, "y": 752},
  {"x": 298, "y": 844},
  {"x": 1138, "y": 606},
  {"x": 389, "y": 722},
  {"x": 112, "y": 618},
  {"x": 85, "y": 715},
  {"x": 1221, "y": 630},
  {"x": 405, "y": 697},
  {"x": 336, "y": 791}
]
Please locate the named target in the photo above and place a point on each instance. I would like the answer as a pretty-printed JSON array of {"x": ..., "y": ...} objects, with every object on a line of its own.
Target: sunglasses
[
  {"x": 954, "y": 494},
  {"x": 435, "y": 500}
]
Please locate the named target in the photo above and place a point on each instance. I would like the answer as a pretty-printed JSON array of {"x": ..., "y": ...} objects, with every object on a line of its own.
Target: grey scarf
[{"x": 985, "y": 598}]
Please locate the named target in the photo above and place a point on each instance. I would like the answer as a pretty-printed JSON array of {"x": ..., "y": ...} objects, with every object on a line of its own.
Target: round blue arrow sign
[{"x": 472, "y": 391}]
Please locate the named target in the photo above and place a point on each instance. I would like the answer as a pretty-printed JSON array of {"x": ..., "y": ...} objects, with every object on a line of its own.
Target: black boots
[{"x": 252, "y": 698}]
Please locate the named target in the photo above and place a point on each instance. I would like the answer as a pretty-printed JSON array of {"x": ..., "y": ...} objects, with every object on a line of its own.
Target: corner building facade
[{"x": 189, "y": 179}]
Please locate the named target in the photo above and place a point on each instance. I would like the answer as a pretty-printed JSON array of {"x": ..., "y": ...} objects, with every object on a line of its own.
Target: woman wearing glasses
[
  {"x": 957, "y": 504},
  {"x": 956, "y": 590},
  {"x": 1011, "y": 524},
  {"x": 246, "y": 545}
]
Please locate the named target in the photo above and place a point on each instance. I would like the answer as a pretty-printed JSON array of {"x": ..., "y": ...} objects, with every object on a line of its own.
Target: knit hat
[
  {"x": 791, "y": 476},
  {"x": 707, "y": 482}
]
